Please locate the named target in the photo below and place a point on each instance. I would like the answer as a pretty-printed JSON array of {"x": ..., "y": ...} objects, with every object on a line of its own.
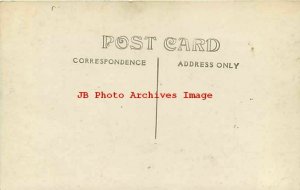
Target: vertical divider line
[{"x": 156, "y": 106}]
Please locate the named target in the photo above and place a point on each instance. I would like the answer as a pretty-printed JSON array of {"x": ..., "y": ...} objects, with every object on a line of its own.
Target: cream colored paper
[{"x": 246, "y": 137}]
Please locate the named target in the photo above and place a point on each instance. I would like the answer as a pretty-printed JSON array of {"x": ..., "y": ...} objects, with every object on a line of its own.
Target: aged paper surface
[{"x": 79, "y": 108}]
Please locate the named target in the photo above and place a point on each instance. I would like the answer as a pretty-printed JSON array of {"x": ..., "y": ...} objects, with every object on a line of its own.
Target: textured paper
[{"x": 246, "y": 137}]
